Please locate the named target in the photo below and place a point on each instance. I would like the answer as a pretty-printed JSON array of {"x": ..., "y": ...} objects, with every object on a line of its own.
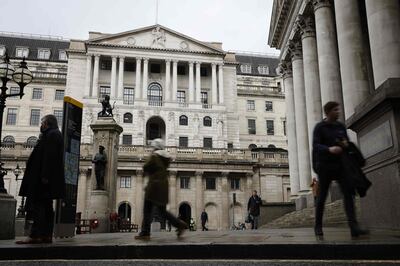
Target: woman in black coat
[{"x": 44, "y": 181}]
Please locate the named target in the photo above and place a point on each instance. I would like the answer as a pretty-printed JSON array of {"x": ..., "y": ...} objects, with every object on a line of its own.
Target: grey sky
[{"x": 238, "y": 24}]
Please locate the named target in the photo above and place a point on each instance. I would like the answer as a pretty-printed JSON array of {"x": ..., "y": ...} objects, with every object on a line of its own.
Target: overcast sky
[{"x": 238, "y": 24}]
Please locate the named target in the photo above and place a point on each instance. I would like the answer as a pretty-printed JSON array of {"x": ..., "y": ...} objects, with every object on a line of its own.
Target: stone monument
[
  {"x": 106, "y": 133},
  {"x": 7, "y": 210}
]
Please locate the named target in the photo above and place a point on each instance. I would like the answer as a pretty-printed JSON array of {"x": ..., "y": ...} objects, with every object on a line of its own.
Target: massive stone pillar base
[
  {"x": 99, "y": 202},
  {"x": 7, "y": 216}
]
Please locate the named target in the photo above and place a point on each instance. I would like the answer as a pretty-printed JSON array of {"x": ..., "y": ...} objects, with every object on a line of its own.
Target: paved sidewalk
[{"x": 298, "y": 243}]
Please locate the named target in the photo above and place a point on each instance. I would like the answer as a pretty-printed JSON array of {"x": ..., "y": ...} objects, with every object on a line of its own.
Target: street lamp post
[
  {"x": 21, "y": 209},
  {"x": 22, "y": 76}
]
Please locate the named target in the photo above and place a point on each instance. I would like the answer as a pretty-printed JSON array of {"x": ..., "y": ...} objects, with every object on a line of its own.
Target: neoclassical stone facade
[{"x": 341, "y": 51}]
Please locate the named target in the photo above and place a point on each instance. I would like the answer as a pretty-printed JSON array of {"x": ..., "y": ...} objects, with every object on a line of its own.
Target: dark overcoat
[
  {"x": 157, "y": 187},
  {"x": 44, "y": 174}
]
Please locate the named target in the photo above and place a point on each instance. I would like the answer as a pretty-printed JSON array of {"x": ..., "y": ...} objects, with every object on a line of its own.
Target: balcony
[
  {"x": 49, "y": 75},
  {"x": 155, "y": 103}
]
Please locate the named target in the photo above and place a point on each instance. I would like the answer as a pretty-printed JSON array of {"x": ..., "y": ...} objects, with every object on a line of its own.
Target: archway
[
  {"x": 155, "y": 128},
  {"x": 211, "y": 210},
  {"x": 185, "y": 212},
  {"x": 124, "y": 211}
]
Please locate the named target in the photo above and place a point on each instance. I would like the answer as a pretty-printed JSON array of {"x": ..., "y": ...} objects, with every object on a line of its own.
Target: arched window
[
  {"x": 154, "y": 94},
  {"x": 252, "y": 146},
  {"x": 8, "y": 140},
  {"x": 128, "y": 118},
  {"x": 207, "y": 122},
  {"x": 183, "y": 120},
  {"x": 32, "y": 141},
  {"x": 271, "y": 146}
]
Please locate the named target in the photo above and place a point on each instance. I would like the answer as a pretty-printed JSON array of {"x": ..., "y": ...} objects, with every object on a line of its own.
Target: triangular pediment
[{"x": 158, "y": 37}]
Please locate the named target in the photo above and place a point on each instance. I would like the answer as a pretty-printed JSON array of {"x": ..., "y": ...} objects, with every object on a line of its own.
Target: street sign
[{"x": 71, "y": 130}]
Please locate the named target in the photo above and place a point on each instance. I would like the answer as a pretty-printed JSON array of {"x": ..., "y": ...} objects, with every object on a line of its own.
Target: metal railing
[{"x": 49, "y": 75}]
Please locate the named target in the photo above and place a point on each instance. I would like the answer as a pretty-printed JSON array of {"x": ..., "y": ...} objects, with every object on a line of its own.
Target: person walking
[
  {"x": 329, "y": 142},
  {"x": 204, "y": 220},
  {"x": 315, "y": 189},
  {"x": 44, "y": 181},
  {"x": 253, "y": 207},
  {"x": 156, "y": 192}
]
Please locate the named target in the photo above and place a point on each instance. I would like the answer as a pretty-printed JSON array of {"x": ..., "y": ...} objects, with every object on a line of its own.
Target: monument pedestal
[
  {"x": 99, "y": 203},
  {"x": 7, "y": 216},
  {"x": 377, "y": 124}
]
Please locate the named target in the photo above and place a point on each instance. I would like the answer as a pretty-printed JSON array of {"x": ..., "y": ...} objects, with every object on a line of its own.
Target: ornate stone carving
[
  {"x": 320, "y": 3},
  {"x": 158, "y": 37},
  {"x": 139, "y": 173},
  {"x": 306, "y": 26},
  {"x": 184, "y": 45},
  {"x": 295, "y": 50},
  {"x": 285, "y": 69},
  {"x": 199, "y": 173},
  {"x": 173, "y": 173},
  {"x": 131, "y": 41}
]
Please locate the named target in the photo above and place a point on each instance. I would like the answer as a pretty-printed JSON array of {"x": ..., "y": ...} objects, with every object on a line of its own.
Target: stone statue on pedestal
[
  {"x": 100, "y": 161},
  {"x": 107, "y": 110}
]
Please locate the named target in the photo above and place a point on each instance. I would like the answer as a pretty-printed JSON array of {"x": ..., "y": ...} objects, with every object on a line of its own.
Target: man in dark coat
[
  {"x": 204, "y": 220},
  {"x": 156, "y": 192},
  {"x": 329, "y": 141},
  {"x": 44, "y": 181},
  {"x": 253, "y": 207}
]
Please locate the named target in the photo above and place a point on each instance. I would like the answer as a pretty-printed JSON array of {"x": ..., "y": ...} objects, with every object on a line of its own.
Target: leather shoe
[{"x": 318, "y": 231}]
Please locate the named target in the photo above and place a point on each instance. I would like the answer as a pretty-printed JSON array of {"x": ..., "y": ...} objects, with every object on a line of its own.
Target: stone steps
[{"x": 334, "y": 215}]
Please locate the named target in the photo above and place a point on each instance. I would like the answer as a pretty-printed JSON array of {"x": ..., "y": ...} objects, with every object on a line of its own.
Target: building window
[
  {"x": 155, "y": 68},
  {"x": 154, "y": 94},
  {"x": 59, "y": 96},
  {"x": 207, "y": 143},
  {"x": 270, "y": 127},
  {"x": 128, "y": 118},
  {"x": 31, "y": 141},
  {"x": 251, "y": 123},
  {"x": 268, "y": 106},
  {"x": 230, "y": 146},
  {"x": 264, "y": 70},
  {"x": 11, "y": 116},
  {"x": 2, "y": 50},
  {"x": 284, "y": 127},
  {"x": 245, "y": 68},
  {"x": 44, "y": 54},
  {"x": 129, "y": 95},
  {"x": 181, "y": 96},
  {"x": 127, "y": 139},
  {"x": 130, "y": 66},
  {"x": 37, "y": 94},
  {"x": 235, "y": 183},
  {"x": 181, "y": 70},
  {"x": 251, "y": 106},
  {"x": 59, "y": 115},
  {"x": 210, "y": 183},
  {"x": 183, "y": 142},
  {"x": 207, "y": 121},
  {"x": 35, "y": 117},
  {"x": 105, "y": 64},
  {"x": 103, "y": 91},
  {"x": 203, "y": 72},
  {"x": 183, "y": 120},
  {"x": 204, "y": 99},
  {"x": 125, "y": 182},
  {"x": 62, "y": 55},
  {"x": 22, "y": 52},
  {"x": 185, "y": 182},
  {"x": 14, "y": 90},
  {"x": 8, "y": 140}
]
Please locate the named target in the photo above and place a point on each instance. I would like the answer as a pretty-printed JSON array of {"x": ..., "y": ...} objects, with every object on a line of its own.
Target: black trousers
[
  {"x": 203, "y": 225},
  {"x": 325, "y": 179},
  {"x": 42, "y": 214},
  {"x": 148, "y": 216}
]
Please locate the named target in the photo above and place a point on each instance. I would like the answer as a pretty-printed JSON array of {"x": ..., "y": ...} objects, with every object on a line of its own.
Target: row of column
[
  {"x": 141, "y": 83},
  {"x": 322, "y": 67}
]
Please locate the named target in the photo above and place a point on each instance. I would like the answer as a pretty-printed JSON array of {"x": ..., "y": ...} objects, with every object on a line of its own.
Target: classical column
[
  {"x": 120, "y": 94},
  {"x": 139, "y": 197},
  {"x": 303, "y": 150},
  {"x": 191, "y": 82},
  {"x": 174, "y": 79},
  {"x": 145, "y": 78},
  {"x": 311, "y": 75},
  {"x": 384, "y": 28},
  {"x": 221, "y": 83},
  {"x": 95, "y": 87},
  {"x": 286, "y": 70},
  {"x": 328, "y": 59},
  {"x": 138, "y": 91},
  {"x": 198, "y": 83},
  {"x": 172, "y": 192},
  {"x": 167, "y": 79},
  {"x": 214, "y": 83},
  {"x": 352, "y": 54},
  {"x": 113, "y": 76},
  {"x": 88, "y": 77},
  {"x": 225, "y": 201},
  {"x": 249, "y": 184},
  {"x": 199, "y": 196}
]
